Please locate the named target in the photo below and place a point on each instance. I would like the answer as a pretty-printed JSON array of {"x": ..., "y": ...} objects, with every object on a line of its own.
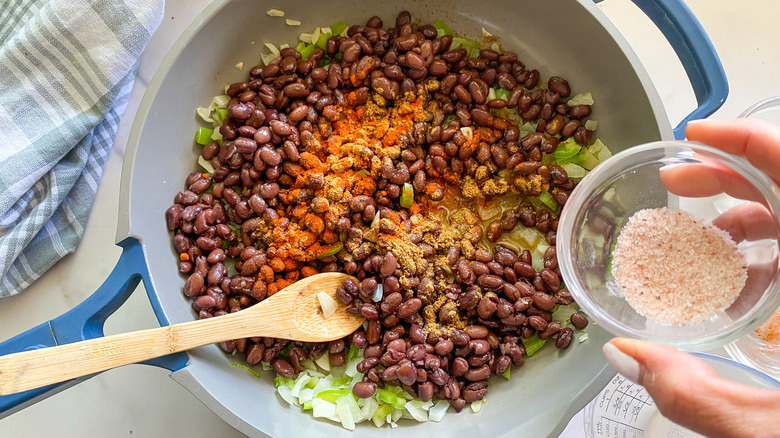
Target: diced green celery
[
  {"x": 566, "y": 151},
  {"x": 507, "y": 373},
  {"x": 548, "y": 200},
  {"x": 533, "y": 344},
  {"x": 307, "y": 51},
  {"x": 283, "y": 381},
  {"x": 323, "y": 40},
  {"x": 331, "y": 395},
  {"x": 442, "y": 28},
  {"x": 352, "y": 353},
  {"x": 203, "y": 136},
  {"x": 332, "y": 250},
  {"x": 219, "y": 115},
  {"x": 407, "y": 196},
  {"x": 307, "y": 406},
  {"x": 338, "y": 28},
  {"x": 251, "y": 371}
]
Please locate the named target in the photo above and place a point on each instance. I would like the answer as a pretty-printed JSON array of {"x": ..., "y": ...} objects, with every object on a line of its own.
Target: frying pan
[{"x": 571, "y": 38}]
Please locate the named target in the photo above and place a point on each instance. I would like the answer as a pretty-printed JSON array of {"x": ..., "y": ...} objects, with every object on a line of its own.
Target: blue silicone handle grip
[
  {"x": 85, "y": 321},
  {"x": 696, "y": 53}
]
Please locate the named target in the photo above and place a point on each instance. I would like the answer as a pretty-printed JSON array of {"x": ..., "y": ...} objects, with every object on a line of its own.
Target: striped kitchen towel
[{"x": 66, "y": 71}]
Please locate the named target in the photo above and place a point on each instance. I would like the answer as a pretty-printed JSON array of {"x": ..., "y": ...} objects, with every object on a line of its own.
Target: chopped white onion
[
  {"x": 591, "y": 125},
  {"x": 275, "y": 13},
  {"x": 206, "y": 165},
  {"x": 204, "y": 114},
  {"x": 583, "y": 337},
  {"x": 438, "y": 411},
  {"x": 272, "y": 48},
  {"x": 476, "y": 406},
  {"x": 327, "y": 303},
  {"x": 416, "y": 409},
  {"x": 486, "y": 34},
  {"x": 240, "y": 66},
  {"x": 581, "y": 99},
  {"x": 292, "y": 22},
  {"x": 378, "y": 293},
  {"x": 468, "y": 132},
  {"x": 322, "y": 408}
]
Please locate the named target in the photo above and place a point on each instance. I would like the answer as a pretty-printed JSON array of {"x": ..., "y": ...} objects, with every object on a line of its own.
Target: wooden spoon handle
[{"x": 41, "y": 367}]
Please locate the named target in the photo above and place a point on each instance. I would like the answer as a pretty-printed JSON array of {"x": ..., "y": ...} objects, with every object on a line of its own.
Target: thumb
[
  {"x": 677, "y": 381},
  {"x": 689, "y": 392}
]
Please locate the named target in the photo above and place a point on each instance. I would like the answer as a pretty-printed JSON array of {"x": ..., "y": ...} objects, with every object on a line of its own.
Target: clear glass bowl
[
  {"x": 630, "y": 181},
  {"x": 761, "y": 351}
]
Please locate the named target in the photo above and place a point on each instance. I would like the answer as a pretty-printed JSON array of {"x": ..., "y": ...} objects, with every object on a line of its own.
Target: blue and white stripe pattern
[{"x": 66, "y": 71}]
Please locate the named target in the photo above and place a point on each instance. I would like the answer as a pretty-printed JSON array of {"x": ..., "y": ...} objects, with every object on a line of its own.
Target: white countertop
[{"x": 141, "y": 401}]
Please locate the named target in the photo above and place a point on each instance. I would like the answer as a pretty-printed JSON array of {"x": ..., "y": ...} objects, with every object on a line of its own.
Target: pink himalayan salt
[{"x": 675, "y": 269}]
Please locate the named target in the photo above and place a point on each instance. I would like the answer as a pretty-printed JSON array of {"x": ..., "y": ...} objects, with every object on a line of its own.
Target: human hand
[
  {"x": 689, "y": 392},
  {"x": 685, "y": 389}
]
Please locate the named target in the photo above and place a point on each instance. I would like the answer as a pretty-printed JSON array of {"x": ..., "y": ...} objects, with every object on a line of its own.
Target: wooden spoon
[{"x": 293, "y": 313}]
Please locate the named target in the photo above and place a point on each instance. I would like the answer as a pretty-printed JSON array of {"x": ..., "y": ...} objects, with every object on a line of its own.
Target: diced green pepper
[
  {"x": 341, "y": 381},
  {"x": 331, "y": 395},
  {"x": 386, "y": 396},
  {"x": 339, "y": 27},
  {"x": 507, "y": 373},
  {"x": 352, "y": 353},
  {"x": 307, "y": 51},
  {"x": 407, "y": 196},
  {"x": 313, "y": 382},
  {"x": 323, "y": 40},
  {"x": 362, "y": 173},
  {"x": 251, "y": 371},
  {"x": 283, "y": 381},
  {"x": 307, "y": 406},
  {"x": 301, "y": 45},
  {"x": 463, "y": 42},
  {"x": 383, "y": 411},
  {"x": 586, "y": 159},
  {"x": 220, "y": 114},
  {"x": 533, "y": 344},
  {"x": 442, "y": 28},
  {"x": 566, "y": 151},
  {"x": 332, "y": 250},
  {"x": 203, "y": 136},
  {"x": 549, "y": 201},
  {"x": 502, "y": 93}
]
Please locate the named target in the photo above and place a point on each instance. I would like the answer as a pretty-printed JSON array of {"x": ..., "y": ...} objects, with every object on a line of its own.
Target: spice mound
[{"x": 676, "y": 269}]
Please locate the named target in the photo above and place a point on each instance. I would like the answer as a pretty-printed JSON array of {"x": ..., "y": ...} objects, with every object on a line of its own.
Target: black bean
[
  {"x": 564, "y": 338},
  {"x": 578, "y": 320}
]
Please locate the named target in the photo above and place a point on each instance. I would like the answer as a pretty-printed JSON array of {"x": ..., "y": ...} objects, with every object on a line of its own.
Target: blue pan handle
[
  {"x": 85, "y": 321},
  {"x": 694, "y": 49}
]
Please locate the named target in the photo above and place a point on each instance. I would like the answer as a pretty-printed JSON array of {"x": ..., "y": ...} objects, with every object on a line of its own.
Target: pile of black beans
[{"x": 270, "y": 144}]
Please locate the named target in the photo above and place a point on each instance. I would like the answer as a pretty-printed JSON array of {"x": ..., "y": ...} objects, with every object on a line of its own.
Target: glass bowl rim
[{"x": 623, "y": 161}]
